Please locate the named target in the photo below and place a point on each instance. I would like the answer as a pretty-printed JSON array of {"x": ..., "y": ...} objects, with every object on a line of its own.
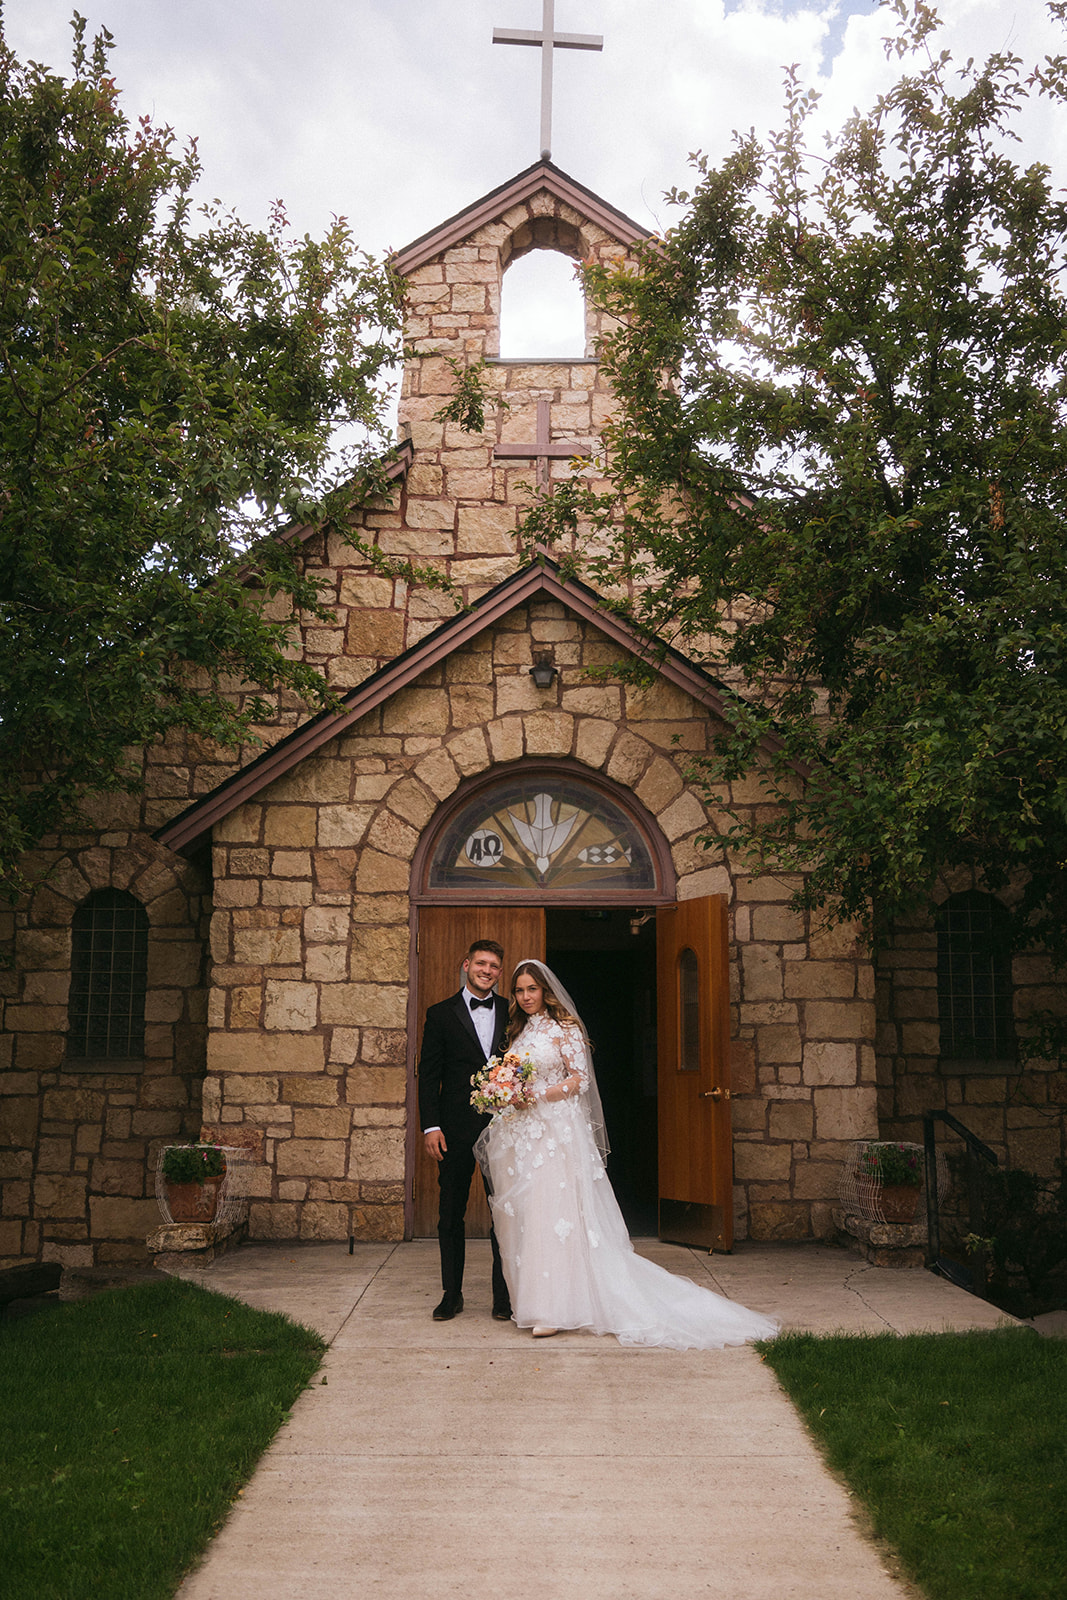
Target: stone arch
[
  {"x": 543, "y": 311},
  {"x": 610, "y": 809}
]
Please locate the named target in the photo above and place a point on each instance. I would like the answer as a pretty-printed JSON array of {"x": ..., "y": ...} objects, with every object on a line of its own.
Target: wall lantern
[{"x": 543, "y": 671}]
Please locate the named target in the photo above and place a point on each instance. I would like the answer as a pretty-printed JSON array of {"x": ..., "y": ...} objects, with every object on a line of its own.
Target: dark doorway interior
[{"x": 607, "y": 960}]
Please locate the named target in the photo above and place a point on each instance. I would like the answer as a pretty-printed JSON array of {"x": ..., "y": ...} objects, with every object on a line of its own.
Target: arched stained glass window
[
  {"x": 109, "y": 970},
  {"x": 543, "y": 832},
  {"x": 974, "y": 987}
]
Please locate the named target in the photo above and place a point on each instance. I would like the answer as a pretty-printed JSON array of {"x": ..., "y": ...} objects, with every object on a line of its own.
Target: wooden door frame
[{"x": 665, "y": 893}]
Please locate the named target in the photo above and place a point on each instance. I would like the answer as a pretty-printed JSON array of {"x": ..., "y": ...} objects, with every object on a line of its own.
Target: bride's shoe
[{"x": 543, "y": 1333}]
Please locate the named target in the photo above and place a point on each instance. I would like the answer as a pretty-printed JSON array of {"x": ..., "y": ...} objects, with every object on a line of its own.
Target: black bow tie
[{"x": 476, "y": 1003}]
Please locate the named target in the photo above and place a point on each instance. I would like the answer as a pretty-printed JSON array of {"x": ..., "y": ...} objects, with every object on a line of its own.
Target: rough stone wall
[
  {"x": 1021, "y": 1113},
  {"x": 310, "y": 939},
  {"x": 77, "y": 1147}
]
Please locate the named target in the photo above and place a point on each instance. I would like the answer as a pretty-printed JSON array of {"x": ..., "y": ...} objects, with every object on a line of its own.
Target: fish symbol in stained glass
[{"x": 543, "y": 837}]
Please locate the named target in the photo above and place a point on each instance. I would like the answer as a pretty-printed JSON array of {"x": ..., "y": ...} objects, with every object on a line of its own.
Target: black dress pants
[{"x": 454, "y": 1173}]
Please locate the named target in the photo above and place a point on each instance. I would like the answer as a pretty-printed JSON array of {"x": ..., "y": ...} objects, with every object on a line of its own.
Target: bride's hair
[{"x": 517, "y": 1018}]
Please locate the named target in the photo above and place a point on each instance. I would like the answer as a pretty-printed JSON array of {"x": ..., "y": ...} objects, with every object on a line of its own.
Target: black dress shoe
[
  {"x": 449, "y": 1306},
  {"x": 502, "y": 1313}
]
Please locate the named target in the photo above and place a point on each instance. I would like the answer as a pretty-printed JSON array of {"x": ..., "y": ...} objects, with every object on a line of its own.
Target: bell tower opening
[{"x": 542, "y": 308}]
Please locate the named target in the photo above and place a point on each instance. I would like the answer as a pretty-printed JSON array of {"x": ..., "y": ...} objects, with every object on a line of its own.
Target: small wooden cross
[
  {"x": 548, "y": 41},
  {"x": 543, "y": 449}
]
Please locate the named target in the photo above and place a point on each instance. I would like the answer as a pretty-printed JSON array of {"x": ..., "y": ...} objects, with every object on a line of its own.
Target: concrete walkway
[{"x": 442, "y": 1460}]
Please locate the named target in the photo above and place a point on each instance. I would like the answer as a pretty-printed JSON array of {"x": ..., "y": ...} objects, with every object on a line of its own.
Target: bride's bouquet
[{"x": 501, "y": 1082}]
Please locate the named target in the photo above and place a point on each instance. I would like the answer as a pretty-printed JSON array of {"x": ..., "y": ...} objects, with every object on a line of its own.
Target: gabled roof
[
  {"x": 403, "y": 454},
  {"x": 542, "y": 175},
  {"x": 541, "y": 577}
]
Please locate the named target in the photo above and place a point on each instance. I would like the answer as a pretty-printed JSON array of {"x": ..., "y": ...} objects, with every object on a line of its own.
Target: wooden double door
[{"x": 692, "y": 1055}]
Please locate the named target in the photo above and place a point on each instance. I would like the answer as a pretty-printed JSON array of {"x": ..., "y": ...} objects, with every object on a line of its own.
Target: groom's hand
[{"x": 435, "y": 1144}]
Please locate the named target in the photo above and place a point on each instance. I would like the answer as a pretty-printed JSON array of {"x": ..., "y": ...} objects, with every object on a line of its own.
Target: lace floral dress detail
[{"x": 566, "y": 1253}]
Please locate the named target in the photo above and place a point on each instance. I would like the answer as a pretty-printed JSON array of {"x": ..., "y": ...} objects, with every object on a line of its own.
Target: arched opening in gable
[{"x": 542, "y": 303}]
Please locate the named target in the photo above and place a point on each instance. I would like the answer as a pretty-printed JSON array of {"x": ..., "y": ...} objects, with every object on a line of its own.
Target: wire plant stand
[
  {"x": 861, "y": 1193},
  {"x": 232, "y": 1197}
]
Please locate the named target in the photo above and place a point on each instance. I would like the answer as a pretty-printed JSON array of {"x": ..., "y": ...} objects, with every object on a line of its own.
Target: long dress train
[{"x": 567, "y": 1255}]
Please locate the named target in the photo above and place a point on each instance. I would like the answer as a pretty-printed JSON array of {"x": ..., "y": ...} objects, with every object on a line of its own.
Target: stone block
[
  {"x": 762, "y": 1161},
  {"x": 311, "y": 1158},
  {"x": 486, "y": 530},
  {"x": 343, "y": 826},
  {"x": 626, "y": 764},
  {"x": 518, "y": 692},
  {"x": 777, "y": 1042},
  {"x": 549, "y": 733},
  {"x": 326, "y": 924},
  {"x": 840, "y": 1019},
  {"x": 254, "y": 1090},
  {"x": 323, "y": 1219},
  {"x": 594, "y": 739},
  {"x": 660, "y": 785},
  {"x": 761, "y": 974},
  {"x": 115, "y": 1218},
  {"x": 438, "y": 772},
  {"x": 777, "y": 924},
  {"x": 118, "y": 1177},
  {"x": 364, "y": 589},
  {"x": 791, "y": 1119},
  {"x": 272, "y": 1219},
  {"x": 468, "y": 749},
  {"x": 326, "y": 963},
  {"x": 315, "y": 1091},
  {"x": 366, "y": 1085},
  {"x": 72, "y": 1105},
  {"x": 322, "y": 1122},
  {"x": 826, "y": 1063},
  {"x": 377, "y": 1153},
  {"x": 778, "y": 1219},
  {"x": 266, "y": 947},
  {"x": 820, "y": 980},
  {"x": 381, "y": 874},
  {"x": 18, "y": 1120},
  {"x": 817, "y": 1180},
  {"x": 272, "y": 1053},
  {"x": 846, "y": 1113},
  {"x": 375, "y": 633},
  {"x": 385, "y": 1222},
  {"x": 291, "y": 1007},
  {"x": 380, "y": 955},
  {"x": 364, "y": 1005},
  {"x": 416, "y": 710}
]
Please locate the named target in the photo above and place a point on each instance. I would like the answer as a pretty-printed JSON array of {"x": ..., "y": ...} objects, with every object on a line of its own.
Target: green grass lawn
[
  {"x": 955, "y": 1443},
  {"x": 128, "y": 1424}
]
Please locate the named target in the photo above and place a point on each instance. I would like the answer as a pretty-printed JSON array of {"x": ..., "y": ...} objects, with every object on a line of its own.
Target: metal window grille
[
  {"x": 109, "y": 970},
  {"x": 974, "y": 987}
]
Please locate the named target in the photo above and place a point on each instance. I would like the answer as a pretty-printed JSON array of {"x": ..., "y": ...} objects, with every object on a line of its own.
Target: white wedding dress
[{"x": 567, "y": 1255}]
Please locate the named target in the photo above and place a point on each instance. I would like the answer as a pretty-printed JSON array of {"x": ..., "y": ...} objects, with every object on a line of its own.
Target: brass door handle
[{"x": 715, "y": 1094}]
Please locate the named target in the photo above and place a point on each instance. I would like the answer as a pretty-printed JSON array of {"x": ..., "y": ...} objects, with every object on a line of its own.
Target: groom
[{"x": 459, "y": 1037}]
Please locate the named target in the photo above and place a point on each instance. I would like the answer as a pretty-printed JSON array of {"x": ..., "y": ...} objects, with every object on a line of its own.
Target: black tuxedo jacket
[{"x": 451, "y": 1054}]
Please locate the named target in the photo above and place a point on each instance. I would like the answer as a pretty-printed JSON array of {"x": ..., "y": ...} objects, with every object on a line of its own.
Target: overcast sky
[{"x": 397, "y": 113}]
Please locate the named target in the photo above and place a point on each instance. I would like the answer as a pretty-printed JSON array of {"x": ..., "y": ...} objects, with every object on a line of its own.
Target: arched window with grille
[
  {"x": 974, "y": 986},
  {"x": 109, "y": 971}
]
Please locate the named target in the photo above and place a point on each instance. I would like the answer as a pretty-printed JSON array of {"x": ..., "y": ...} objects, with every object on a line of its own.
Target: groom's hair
[{"x": 486, "y": 944}]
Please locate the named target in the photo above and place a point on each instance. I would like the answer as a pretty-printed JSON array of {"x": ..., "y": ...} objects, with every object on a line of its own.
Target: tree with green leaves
[
  {"x": 176, "y": 389},
  {"x": 839, "y": 477}
]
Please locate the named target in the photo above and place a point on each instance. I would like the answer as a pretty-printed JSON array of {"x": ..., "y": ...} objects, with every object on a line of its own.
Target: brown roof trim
[
  {"x": 542, "y": 577},
  {"x": 542, "y": 175}
]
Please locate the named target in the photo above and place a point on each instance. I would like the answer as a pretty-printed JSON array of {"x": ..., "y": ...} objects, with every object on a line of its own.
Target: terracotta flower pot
[
  {"x": 899, "y": 1202},
  {"x": 193, "y": 1202}
]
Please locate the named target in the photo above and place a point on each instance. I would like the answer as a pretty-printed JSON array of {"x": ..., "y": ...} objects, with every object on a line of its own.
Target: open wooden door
[
  {"x": 445, "y": 934},
  {"x": 693, "y": 1048}
]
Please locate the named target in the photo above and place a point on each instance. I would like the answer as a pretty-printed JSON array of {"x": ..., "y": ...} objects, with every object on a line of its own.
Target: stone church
[{"x": 249, "y": 945}]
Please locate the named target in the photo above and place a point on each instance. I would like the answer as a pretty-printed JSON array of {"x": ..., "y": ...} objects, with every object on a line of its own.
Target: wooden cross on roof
[
  {"x": 548, "y": 41},
  {"x": 543, "y": 449}
]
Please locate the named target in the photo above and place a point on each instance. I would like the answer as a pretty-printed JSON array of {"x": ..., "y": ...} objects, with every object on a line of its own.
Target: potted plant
[
  {"x": 889, "y": 1177},
  {"x": 192, "y": 1174}
]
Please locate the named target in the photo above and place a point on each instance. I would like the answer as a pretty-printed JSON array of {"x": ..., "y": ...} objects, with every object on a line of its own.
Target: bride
[{"x": 565, "y": 1249}]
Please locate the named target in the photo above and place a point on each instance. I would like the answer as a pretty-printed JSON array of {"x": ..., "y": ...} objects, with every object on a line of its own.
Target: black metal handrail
[{"x": 939, "y": 1263}]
